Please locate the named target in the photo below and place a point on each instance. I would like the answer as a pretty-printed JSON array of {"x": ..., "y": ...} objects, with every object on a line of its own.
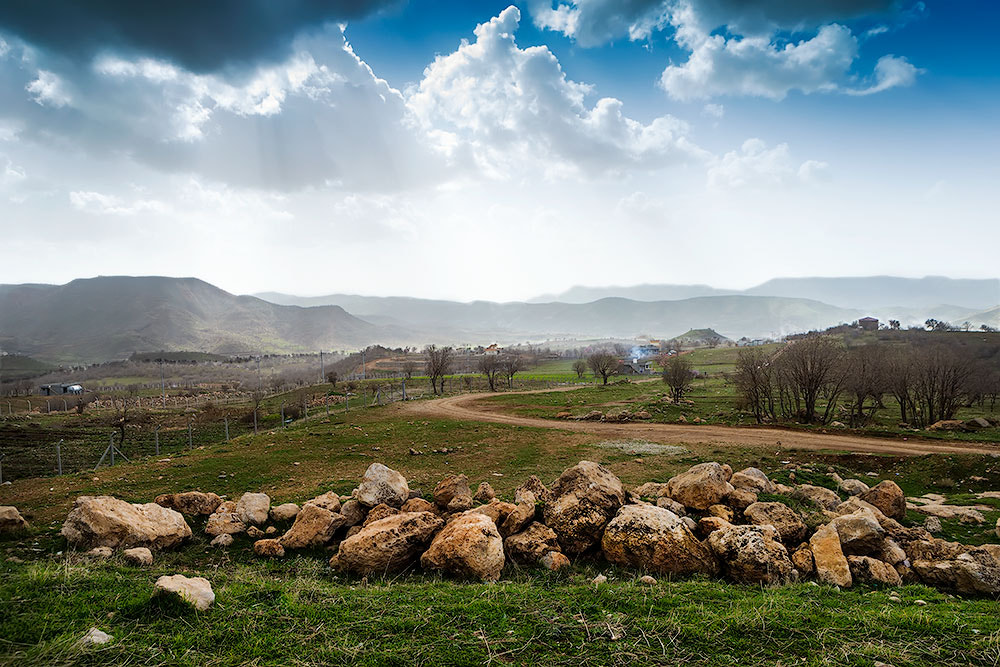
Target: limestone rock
[
  {"x": 522, "y": 514},
  {"x": 528, "y": 546},
  {"x": 554, "y": 560},
  {"x": 933, "y": 525},
  {"x": 284, "y": 512},
  {"x": 790, "y": 526},
  {"x": 962, "y": 513},
  {"x": 106, "y": 521},
  {"x": 654, "y": 539},
  {"x": 831, "y": 564},
  {"x": 669, "y": 503},
  {"x": 451, "y": 487},
  {"x": 353, "y": 512},
  {"x": 652, "y": 490},
  {"x": 700, "y": 487},
  {"x": 269, "y": 548},
  {"x": 196, "y": 591},
  {"x": 190, "y": 503},
  {"x": 860, "y": 533},
  {"x": 95, "y": 637},
  {"x": 11, "y": 520},
  {"x": 253, "y": 508},
  {"x": 709, "y": 524},
  {"x": 484, "y": 493},
  {"x": 498, "y": 510},
  {"x": 752, "y": 479},
  {"x": 536, "y": 487},
  {"x": 460, "y": 504},
  {"x": 382, "y": 485},
  {"x": 802, "y": 559},
  {"x": 379, "y": 512},
  {"x": 647, "y": 580},
  {"x": 418, "y": 505},
  {"x": 866, "y": 570},
  {"x": 225, "y": 521},
  {"x": 583, "y": 500},
  {"x": 888, "y": 497},
  {"x": 328, "y": 501},
  {"x": 740, "y": 499},
  {"x": 721, "y": 511},
  {"x": 853, "y": 487},
  {"x": 469, "y": 547},
  {"x": 140, "y": 556},
  {"x": 817, "y": 495},
  {"x": 314, "y": 527},
  {"x": 390, "y": 544},
  {"x": 976, "y": 572},
  {"x": 254, "y": 533},
  {"x": 223, "y": 540},
  {"x": 101, "y": 552},
  {"x": 751, "y": 554}
]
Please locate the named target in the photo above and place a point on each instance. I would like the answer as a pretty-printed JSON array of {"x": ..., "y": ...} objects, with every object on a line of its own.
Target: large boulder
[
  {"x": 388, "y": 545},
  {"x": 853, "y": 487},
  {"x": 11, "y": 520},
  {"x": 382, "y": 485},
  {"x": 451, "y": 487},
  {"x": 828, "y": 556},
  {"x": 860, "y": 533},
  {"x": 353, "y": 511},
  {"x": 656, "y": 540},
  {"x": 582, "y": 501},
  {"x": 225, "y": 520},
  {"x": 867, "y": 570},
  {"x": 284, "y": 512},
  {"x": 751, "y": 554},
  {"x": 888, "y": 497},
  {"x": 469, "y": 547},
  {"x": 314, "y": 527},
  {"x": 536, "y": 487},
  {"x": 976, "y": 572},
  {"x": 328, "y": 501},
  {"x": 195, "y": 591},
  {"x": 752, "y": 479},
  {"x": 700, "y": 487},
  {"x": 528, "y": 546},
  {"x": 190, "y": 503},
  {"x": 790, "y": 526},
  {"x": 518, "y": 518},
  {"x": 253, "y": 508},
  {"x": 498, "y": 510},
  {"x": 105, "y": 521},
  {"x": 816, "y": 495}
]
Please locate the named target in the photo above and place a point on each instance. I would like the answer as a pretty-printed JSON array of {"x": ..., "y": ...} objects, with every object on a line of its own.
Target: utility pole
[
  {"x": 258, "y": 373},
  {"x": 163, "y": 386},
  {"x": 364, "y": 369}
]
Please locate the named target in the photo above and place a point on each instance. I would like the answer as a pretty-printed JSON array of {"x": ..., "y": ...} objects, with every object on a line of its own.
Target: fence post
[
  {"x": 255, "y": 421},
  {"x": 111, "y": 446},
  {"x": 48, "y": 406},
  {"x": 156, "y": 434},
  {"x": 59, "y": 456},
  {"x": 226, "y": 418},
  {"x": 65, "y": 406},
  {"x": 282, "y": 415},
  {"x": 190, "y": 441}
]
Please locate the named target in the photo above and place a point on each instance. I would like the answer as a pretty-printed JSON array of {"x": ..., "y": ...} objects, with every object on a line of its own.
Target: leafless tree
[
  {"x": 579, "y": 367},
  {"x": 810, "y": 369},
  {"x": 512, "y": 365},
  {"x": 898, "y": 372},
  {"x": 754, "y": 379},
  {"x": 438, "y": 364},
  {"x": 409, "y": 368},
  {"x": 489, "y": 366},
  {"x": 939, "y": 383},
  {"x": 332, "y": 378},
  {"x": 604, "y": 364},
  {"x": 678, "y": 375},
  {"x": 865, "y": 382}
]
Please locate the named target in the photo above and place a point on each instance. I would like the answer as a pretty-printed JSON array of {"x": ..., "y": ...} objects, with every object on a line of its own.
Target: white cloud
[
  {"x": 512, "y": 105},
  {"x": 103, "y": 204},
  {"x": 890, "y": 72},
  {"x": 713, "y": 110},
  {"x": 755, "y": 165},
  {"x": 48, "y": 89}
]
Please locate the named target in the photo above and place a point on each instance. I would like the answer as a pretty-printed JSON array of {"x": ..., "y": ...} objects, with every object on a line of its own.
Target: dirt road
[{"x": 470, "y": 407}]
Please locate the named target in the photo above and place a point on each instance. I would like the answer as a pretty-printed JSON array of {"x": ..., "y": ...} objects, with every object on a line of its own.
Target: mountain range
[{"x": 105, "y": 318}]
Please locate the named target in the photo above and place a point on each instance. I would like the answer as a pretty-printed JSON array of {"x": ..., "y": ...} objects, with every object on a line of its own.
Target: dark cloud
[{"x": 200, "y": 35}]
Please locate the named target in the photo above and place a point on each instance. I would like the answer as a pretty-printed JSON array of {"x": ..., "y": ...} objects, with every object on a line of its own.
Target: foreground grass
[{"x": 297, "y": 612}]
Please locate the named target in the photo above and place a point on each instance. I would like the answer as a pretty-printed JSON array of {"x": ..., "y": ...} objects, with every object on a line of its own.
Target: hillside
[
  {"x": 701, "y": 338},
  {"x": 112, "y": 317}
]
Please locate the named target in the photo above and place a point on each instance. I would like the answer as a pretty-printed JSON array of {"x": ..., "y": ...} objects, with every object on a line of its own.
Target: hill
[
  {"x": 112, "y": 317},
  {"x": 701, "y": 338}
]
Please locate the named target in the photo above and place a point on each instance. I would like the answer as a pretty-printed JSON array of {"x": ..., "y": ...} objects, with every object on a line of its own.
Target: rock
[
  {"x": 418, "y": 505},
  {"x": 790, "y": 526},
  {"x": 817, "y": 495},
  {"x": 934, "y": 549},
  {"x": 831, "y": 564},
  {"x": 554, "y": 560},
  {"x": 106, "y": 521},
  {"x": 583, "y": 500},
  {"x": 314, "y": 527},
  {"x": 95, "y": 637},
  {"x": 668, "y": 503},
  {"x": 888, "y": 497},
  {"x": 866, "y": 570},
  {"x": 352, "y": 531},
  {"x": 253, "y": 508},
  {"x": 690, "y": 523},
  {"x": 196, "y": 591},
  {"x": 270, "y": 530},
  {"x": 996, "y": 529},
  {"x": 498, "y": 510},
  {"x": 225, "y": 521},
  {"x": 947, "y": 425},
  {"x": 101, "y": 552},
  {"x": 140, "y": 556},
  {"x": 802, "y": 559},
  {"x": 451, "y": 487},
  {"x": 536, "y": 487},
  {"x": 379, "y": 512},
  {"x": 599, "y": 579},
  {"x": 890, "y": 552},
  {"x": 460, "y": 504},
  {"x": 390, "y": 544},
  {"x": 652, "y": 490},
  {"x": 751, "y": 554},
  {"x": 328, "y": 501},
  {"x": 190, "y": 503},
  {"x": 752, "y": 479},
  {"x": 709, "y": 524},
  {"x": 254, "y": 533},
  {"x": 656, "y": 540},
  {"x": 269, "y": 548},
  {"x": 469, "y": 547},
  {"x": 976, "y": 572},
  {"x": 700, "y": 487},
  {"x": 353, "y": 512},
  {"x": 853, "y": 487},
  {"x": 484, "y": 493},
  {"x": 11, "y": 520},
  {"x": 722, "y": 512},
  {"x": 727, "y": 470},
  {"x": 285, "y": 512},
  {"x": 740, "y": 499},
  {"x": 382, "y": 485},
  {"x": 860, "y": 533},
  {"x": 592, "y": 416},
  {"x": 528, "y": 546},
  {"x": 522, "y": 514},
  {"x": 223, "y": 540},
  {"x": 962, "y": 513},
  {"x": 647, "y": 580},
  {"x": 977, "y": 422}
]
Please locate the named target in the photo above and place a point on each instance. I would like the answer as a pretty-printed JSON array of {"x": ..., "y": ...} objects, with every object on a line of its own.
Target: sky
[{"x": 487, "y": 150}]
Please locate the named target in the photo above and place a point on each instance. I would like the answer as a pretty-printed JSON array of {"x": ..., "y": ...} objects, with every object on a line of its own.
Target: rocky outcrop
[
  {"x": 656, "y": 540},
  {"x": 700, "y": 487},
  {"x": 106, "y": 521},
  {"x": 388, "y": 545},
  {"x": 469, "y": 547},
  {"x": 382, "y": 485},
  {"x": 583, "y": 500}
]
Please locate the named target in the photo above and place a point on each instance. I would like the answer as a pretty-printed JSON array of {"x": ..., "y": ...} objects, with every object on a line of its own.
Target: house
[
  {"x": 59, "y": 388},
  {"x": 868, "y": 323},
  {"x": 493, "y": 350},
  {"x": 635, "y": 367}
]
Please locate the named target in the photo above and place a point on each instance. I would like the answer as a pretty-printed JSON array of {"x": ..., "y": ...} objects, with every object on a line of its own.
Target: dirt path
[{"x": 470, "y": 407}]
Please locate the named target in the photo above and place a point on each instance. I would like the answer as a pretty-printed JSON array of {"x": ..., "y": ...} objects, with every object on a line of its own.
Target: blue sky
[{"x": 251, "y": 144}]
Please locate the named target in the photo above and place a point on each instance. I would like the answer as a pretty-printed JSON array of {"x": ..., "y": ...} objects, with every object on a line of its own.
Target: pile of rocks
[{"x": 707, "y": 520}]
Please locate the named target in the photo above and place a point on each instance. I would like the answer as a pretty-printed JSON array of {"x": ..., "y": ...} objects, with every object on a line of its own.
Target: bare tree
[
  {"x": 604, "y": 364},
  {"x": 754, "y": 378},
  {"x": 409, "y": 368},
  {"x": 512, "y": 365},
  {"x": 810, "y": 369},
  {"x": 579, "y": 367},
  {"x": 489, "y": 366},
  {"x": 332, "y": 378},
  {"x": 438, "y": 364},
  {"x": 898, "y": 373},
  {"x": 865, "y": 382},
  {"x": 939, "y": 383},
  {"x": 678, "y": 375}
]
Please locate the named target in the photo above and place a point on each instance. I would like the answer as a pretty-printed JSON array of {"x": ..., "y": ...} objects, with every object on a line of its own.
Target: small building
[
  {"x": 868, "y": 323},
  {"x": 635, "y": 367},
  {"x": 493, "y": 350},
  {"x": 60, "y": 388}
]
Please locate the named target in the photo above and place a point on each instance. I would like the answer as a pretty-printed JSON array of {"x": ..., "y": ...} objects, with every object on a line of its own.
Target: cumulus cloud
[
  {"x": 104, "y": 204},
  {"x": 511, "y": 105},
  {"x": 48, "y": 89},
  {"x": 755, "y": 165},
  {"x": 890, "y": 72},
  {"x": 199, "y": 36}
]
